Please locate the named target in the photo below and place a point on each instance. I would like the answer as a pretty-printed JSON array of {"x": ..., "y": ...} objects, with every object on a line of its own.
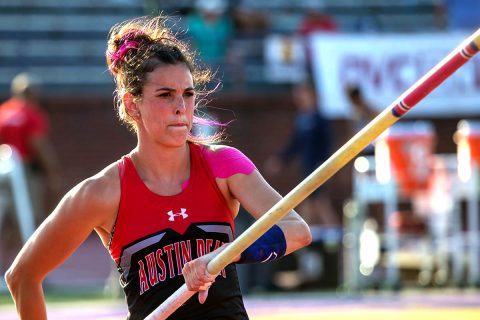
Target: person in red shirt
[
  {"x": 24, "y": 126},
  {"x": 316, "y": 20},
  {"x": 167, "y": 208}
]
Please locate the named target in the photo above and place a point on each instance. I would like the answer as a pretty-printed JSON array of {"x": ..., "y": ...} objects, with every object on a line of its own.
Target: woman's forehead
[{"x": 176, "y": 76}]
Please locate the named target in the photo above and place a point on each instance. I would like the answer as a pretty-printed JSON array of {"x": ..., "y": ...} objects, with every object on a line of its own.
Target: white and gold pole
[{"x": 444, "y": 69}]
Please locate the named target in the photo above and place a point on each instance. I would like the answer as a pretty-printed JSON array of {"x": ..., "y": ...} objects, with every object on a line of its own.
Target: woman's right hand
[{"x": 196, "y": 275}]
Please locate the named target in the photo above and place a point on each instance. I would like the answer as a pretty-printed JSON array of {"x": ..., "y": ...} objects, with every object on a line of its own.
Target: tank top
[{"x": 154, "y": 236}]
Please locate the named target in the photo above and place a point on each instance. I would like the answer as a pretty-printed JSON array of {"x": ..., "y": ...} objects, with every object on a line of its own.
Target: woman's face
[{"x": 167, "y": 105}]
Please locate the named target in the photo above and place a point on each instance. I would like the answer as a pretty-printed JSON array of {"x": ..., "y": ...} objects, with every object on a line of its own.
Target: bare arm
[
  {"x": 257, "y": 197},
  {"x": 90, "y": 204}
]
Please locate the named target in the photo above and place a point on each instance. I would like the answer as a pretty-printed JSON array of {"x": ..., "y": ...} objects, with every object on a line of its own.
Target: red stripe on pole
[{"x": 434, "y": 79}]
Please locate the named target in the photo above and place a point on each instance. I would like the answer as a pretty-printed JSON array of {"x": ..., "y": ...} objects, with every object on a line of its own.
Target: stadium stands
[{"x": 63, "y": 41}]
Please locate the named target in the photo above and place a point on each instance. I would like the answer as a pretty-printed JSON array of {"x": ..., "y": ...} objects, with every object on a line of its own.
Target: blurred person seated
[
  {"x": 211, "y": 30},
  {"x": 24, "y": 125}
]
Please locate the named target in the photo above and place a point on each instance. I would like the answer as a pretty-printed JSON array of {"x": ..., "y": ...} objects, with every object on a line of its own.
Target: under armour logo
[
  {"x": 272, "y": 256},
  {"x": 182, "y": 213}
]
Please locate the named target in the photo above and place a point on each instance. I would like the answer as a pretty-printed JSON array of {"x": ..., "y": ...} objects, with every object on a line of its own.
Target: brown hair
[{"x": 137, "y": 47}]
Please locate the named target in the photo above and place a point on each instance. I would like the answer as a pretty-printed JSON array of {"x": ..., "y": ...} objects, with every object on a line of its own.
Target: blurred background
[{"x": 403, "y": 215}]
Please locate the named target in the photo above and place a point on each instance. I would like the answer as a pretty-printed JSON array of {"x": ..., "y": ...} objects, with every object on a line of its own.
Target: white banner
[{"x": 384, "y": 66}]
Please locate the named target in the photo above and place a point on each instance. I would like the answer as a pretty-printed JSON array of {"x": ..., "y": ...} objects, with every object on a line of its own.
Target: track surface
[{"x": 458, "y": 305}]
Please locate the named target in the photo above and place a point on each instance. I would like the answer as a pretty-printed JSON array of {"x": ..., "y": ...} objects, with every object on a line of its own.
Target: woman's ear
[{"x": 130, "y": 104}]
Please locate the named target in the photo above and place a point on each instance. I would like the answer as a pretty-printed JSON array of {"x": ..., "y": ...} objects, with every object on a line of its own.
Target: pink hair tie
[{"x": 115, "y": 57}]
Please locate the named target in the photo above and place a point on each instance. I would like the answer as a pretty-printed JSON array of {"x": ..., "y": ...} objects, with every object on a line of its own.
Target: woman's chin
[{"x": 177, "y": 140}]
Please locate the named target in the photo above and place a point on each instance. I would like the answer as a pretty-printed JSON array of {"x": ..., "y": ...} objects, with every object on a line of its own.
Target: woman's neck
[{"x": 167, "y": 166}]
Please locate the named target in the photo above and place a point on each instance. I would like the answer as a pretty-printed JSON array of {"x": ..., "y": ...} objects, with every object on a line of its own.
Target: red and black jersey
[{"x": 155, "y": 236}]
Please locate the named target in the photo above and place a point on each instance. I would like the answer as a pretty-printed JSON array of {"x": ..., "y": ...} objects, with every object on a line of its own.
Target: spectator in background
[
  {"x": 250, "y": 22},
  {"x": 311, "y": 143},
  {"x": 211, "y": 31},
  {"x": 24, "y": 126},
  {"x": 361, "y": 113},
  {"x": 315, "y": 20}
]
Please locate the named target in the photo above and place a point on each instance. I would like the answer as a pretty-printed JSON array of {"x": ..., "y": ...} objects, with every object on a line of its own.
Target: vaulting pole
[{"x": 338, "y": 160}]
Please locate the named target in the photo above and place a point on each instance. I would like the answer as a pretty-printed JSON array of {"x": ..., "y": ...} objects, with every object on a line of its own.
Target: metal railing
[{"x": 14, "y": 194}]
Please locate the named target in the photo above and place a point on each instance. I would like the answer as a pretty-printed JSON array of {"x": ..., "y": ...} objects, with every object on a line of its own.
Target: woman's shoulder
[
  {"x": 95, "y": 200},
  {"x": 216, "y": 148},
  {"x": 107, "y": 176},
  {"x": 101, "y": 188},
  {"x": 221, "y": 152},
  {"x": 226, "y": 161}
]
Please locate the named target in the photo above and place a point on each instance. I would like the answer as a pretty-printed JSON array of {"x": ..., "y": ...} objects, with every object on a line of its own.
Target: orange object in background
[{"x": 410, "y": 147}]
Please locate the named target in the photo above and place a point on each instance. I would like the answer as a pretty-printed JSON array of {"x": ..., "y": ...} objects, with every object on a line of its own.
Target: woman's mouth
[{"x": 179, "y": 125}]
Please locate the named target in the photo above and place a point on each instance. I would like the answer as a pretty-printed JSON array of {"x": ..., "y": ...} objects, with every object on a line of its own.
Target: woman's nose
[{"x": 180, "y": 105}]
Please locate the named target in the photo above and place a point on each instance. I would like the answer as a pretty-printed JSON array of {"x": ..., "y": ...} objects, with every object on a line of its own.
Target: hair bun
[{"x": 131, "y": 39}]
